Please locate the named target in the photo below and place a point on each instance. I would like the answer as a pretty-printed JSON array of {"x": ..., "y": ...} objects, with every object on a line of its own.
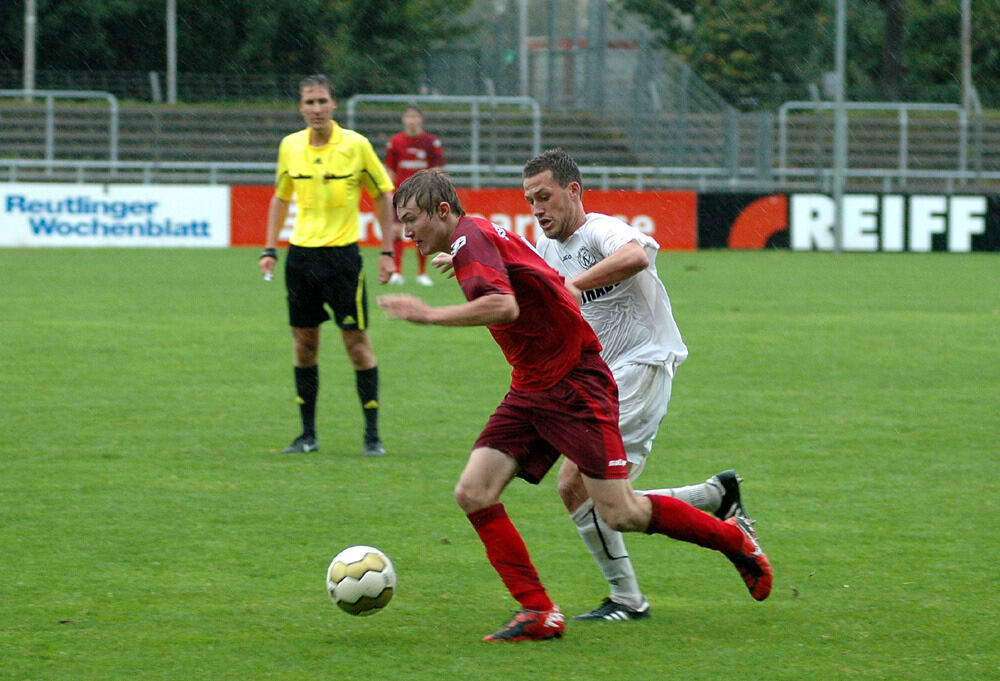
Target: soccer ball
[{"x": 361, "y": 580}]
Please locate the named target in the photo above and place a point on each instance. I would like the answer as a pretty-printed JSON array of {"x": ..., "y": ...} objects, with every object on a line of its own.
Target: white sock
[
  {"x": 607, "y": 546},
  {"x": 706, "y": 496}
]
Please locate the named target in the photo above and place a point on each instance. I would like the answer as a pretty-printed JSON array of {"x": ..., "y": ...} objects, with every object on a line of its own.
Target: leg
[
  {"x": 306, "y": 354},
  {"x": 607, "y": 547},
  {"x": 626, "y": 511},
  {"x": 306, "y": 345},
  {"x": 359, "y": 348},
  {"x": 719, "y": 494},
  {"x": 362, "y": 356},
  {"x": 655, "y": 514},
  {"x": 486, "y": 475}
]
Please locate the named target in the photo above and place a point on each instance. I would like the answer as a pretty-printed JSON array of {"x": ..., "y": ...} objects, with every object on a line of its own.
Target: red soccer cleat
[
  {"x": 751, "y": 561},
  {"x": 532, "y": 625}
]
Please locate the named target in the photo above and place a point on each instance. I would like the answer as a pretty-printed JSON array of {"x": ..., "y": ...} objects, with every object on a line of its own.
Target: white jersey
[{"x": 633, "y": 318}]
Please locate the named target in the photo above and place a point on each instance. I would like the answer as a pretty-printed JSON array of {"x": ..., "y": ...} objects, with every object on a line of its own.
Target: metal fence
[
  {"x": 477, "y": 176},
  {"x": 912, "y": 148},
  {"x": 142, "y": 85}
]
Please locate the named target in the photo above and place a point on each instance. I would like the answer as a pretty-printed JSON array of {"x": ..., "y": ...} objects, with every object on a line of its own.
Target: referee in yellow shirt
[{"x": 326, "y": 167}]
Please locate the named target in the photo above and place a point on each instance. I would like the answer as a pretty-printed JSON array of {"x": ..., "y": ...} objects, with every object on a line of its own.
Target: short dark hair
[
  {"x": 317, "y": 80},
  {"x": 428, "y": 189},
  {"x": 563, "y": 167}
]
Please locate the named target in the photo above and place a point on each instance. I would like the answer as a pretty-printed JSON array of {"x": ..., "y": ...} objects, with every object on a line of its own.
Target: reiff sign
[
  {"x": 114, "y": 215},
  {"x": 889, "y": 222}
]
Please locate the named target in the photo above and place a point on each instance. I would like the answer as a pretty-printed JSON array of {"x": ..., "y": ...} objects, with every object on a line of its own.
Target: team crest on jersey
[
  {"x": 459, "y": 242},
  {"x": 586, "y": 258}
]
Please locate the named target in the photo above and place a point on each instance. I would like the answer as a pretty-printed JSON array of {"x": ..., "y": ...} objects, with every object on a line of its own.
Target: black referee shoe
[
  {"x": 302, "y": 445},
  {"x": 373, "y": 448}
]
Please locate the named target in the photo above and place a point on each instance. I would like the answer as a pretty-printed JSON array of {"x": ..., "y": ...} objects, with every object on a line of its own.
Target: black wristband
[
  {"x": 269, "y": 253},
  {"x": 388, "y": 253}
]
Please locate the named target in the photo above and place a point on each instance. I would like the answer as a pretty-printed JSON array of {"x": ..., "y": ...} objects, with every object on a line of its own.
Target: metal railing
[
  {"x": 474, "y": 103},
  {"x": 902, "y": 110},
  {"x": 50, "y": 127},
  {"x": 703, "y": 179}
]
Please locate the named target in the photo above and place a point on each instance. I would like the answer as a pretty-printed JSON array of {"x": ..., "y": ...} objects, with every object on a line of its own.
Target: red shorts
[{"x": 577, "y": 417}]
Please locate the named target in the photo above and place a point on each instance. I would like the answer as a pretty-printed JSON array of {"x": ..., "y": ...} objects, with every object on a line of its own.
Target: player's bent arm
[
  {"x": 487, "y": 310},
  {"x": 627, "y": 261}
]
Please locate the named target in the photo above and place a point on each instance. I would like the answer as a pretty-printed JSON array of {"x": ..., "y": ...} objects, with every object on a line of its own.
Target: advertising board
[{"x": 35, "y": 214}]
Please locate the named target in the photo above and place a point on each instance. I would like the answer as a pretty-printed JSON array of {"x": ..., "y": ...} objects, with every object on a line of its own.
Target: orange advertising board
[{"x": 670, "y": 217}]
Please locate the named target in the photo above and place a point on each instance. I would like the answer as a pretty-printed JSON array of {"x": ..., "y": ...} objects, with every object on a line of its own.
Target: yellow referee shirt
[{"x": 327, "y": 183}]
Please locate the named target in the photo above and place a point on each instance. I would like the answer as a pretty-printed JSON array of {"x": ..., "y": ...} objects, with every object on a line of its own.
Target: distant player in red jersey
[
  {"x": 562, "y": 400},
  {"x": 407, "y": 152}
]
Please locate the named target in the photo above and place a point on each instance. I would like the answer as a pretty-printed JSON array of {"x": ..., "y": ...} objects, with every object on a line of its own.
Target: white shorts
[{"x": 643, "y": 396}]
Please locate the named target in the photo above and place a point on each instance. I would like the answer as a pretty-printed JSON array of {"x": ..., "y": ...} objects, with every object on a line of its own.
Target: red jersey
[
  {"x": 405, "y": 155},
  {"x": 547, "y": 339}
]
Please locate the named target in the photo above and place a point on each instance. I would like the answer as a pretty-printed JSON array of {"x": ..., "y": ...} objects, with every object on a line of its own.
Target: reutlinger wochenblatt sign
[{"x": 34, "y": 214}]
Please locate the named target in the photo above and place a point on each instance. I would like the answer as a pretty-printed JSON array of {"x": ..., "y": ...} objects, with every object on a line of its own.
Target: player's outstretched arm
[{"x": 487, "y": 310}]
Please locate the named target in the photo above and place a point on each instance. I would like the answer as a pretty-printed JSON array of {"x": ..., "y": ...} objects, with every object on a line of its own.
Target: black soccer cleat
[
  {"x": 610, "y": 611},
  {"x": 732, "y": 504}
]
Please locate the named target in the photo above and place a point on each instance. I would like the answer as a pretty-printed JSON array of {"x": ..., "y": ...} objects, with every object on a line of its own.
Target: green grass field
[{"x": 150, "y": 529}]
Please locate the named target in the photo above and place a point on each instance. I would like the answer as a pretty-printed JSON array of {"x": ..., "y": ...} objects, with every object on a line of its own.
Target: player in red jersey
[
  {"x": 562, "y": 400},
  {"x": 407, "y": 152}
]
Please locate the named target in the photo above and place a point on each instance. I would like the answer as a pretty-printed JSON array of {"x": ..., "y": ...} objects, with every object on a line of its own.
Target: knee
[
  {"x": 570, "y": 486},
  {"x": 306, "y": 350},
  {"x": 359, "y": 350},
  {"x": 472, "y": 498},
  {"x": 572, "y": 492}
]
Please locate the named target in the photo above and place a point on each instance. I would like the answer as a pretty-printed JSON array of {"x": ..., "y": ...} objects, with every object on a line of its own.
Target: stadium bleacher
[{"x": 249, "y": 135}]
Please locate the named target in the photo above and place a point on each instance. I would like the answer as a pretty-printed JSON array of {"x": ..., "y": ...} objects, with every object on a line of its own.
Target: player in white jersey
[{"x": 610, "y": 267}]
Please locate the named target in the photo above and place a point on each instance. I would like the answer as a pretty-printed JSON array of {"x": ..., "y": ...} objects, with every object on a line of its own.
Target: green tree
[
  {"x": 379, "y": 45},
  {"x": 743, "y": 47},
  {"x": 371, "y": 45}
]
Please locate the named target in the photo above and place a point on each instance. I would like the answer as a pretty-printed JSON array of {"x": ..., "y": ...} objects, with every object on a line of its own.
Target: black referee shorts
[{"x": 331, "y": 276}]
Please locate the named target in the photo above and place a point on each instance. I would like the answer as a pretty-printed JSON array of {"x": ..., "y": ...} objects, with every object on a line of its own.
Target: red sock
[
  {"x": 509, "y": 557},
  {"x": 680, "y": 520},
  {"x": 397, "y": 254},
  {"x": 421, "y": 263}
]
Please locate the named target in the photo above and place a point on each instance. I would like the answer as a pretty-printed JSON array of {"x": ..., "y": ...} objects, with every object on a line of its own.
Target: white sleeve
[{"x": 606, "y": 234}]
